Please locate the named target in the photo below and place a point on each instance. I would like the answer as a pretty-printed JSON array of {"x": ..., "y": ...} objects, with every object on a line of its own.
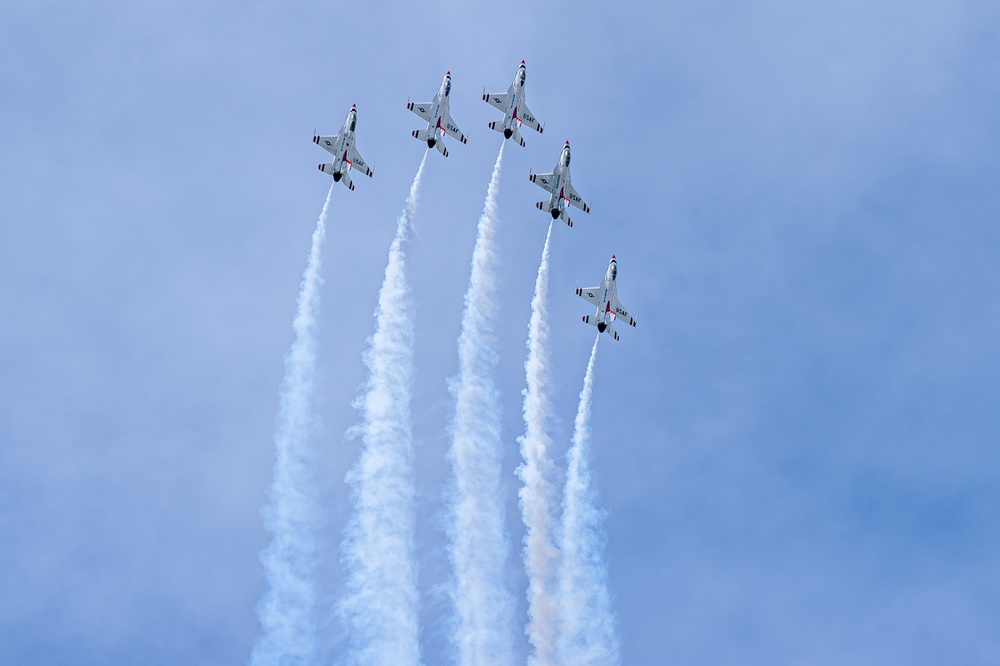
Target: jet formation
[{"x": 516, "y": 113}]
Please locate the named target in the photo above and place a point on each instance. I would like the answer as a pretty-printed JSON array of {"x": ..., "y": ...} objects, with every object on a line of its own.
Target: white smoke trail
[
  {"x": 287, "y": 610},
  {"x": 536, "y": 470},
  {"x": 587, "y": 633},
  {"x": 477, "y": 541},
  {"x": 381, "y": 602}
]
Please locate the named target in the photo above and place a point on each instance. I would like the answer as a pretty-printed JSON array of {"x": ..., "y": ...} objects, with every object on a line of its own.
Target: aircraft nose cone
[{"x": 507, "y": 133}]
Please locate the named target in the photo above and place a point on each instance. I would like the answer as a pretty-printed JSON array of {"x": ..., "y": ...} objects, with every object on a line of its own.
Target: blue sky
[{"x": 797, "y": 446}]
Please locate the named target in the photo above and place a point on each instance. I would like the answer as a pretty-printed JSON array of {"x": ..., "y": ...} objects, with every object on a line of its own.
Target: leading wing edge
[
  {"x": 358, "y": 162},
  {"x": 451, "y": 129},
  {"x": 422, "y": 109},
  {"x": 622, "y": 314},
  {"x": 328, "y": 143},
  {"x": 496, "y": 100},
  {"x": 528, "y": 118},
  {"x": 576, "y": 199},
  {"x": 546, "y": 181},
  {"x": 589, "y": 294}
]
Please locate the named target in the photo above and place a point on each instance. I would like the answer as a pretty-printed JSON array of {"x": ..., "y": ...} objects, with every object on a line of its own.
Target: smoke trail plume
[
  {"x": 381, "y": 602},
  {"x": 477, "y": 541},
  {"x": 287, "y": 610},
  {"x": 535, "y": 472},
  {"x": 587, "y": 633}
]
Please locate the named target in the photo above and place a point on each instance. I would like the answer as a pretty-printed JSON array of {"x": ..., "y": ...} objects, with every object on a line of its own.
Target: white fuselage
[
  {"x": 515, "y": 100},
  {"x": 439, "y": 113},
  {"x": 560, "y": 180},
  {"x": 606, "y": 312},
  {"x": 342, "y": 144}
]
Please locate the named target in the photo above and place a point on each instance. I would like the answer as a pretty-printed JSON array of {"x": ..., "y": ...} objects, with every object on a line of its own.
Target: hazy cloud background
[{"x": 797, "y": 446}]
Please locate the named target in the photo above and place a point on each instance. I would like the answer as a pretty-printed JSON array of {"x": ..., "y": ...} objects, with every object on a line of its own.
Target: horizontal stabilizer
[
  {"x": 341, "y": 176},
  {"x": 547, "y": 207}
]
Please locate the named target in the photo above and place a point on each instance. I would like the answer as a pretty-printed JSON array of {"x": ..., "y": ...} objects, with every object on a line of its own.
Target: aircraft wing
[
  {"x": 575, "y": 199},
  {"x": 621, "y": 313},
  {"x": 328, "y": 143},
  {"x": 590, "y": 294},
  {"x": 452, "y": 129},
  {"x": 544, "y": 180},
  {"x": 498, "y": 100},
  {"x": 358, "y": 162},
  {"x": 527, "y": 118},
  {"x": 422, "y": 109}
]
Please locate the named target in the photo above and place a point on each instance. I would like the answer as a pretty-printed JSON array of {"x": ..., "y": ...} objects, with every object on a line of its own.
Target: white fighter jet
[
  {"x": 515, "y": 111},
  {"x": 345, "y": 155},
  {"x": 605, "y": 297},
  {"x": 439, "y": 120},
  {"x": 559, "y": 186}
]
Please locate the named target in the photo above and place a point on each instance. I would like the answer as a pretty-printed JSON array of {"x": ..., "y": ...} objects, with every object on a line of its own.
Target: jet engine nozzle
[
  {"x": 507, "y": 133},
  {"x": 431, "y": 141},
  {"x": 601, "y": 326},
  {"x": 337, "y": 176},
  {"x": 555, "y": 213}
]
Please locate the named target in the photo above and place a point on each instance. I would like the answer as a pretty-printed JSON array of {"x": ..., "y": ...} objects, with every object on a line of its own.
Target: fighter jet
[
  {"x": 515, "y": 111},
  {"x": 605, "y": 297},
  {"x": 345, "y": 155},
  {"x": 439, "y": 120},
  {"x": 558, "y": 185}
]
